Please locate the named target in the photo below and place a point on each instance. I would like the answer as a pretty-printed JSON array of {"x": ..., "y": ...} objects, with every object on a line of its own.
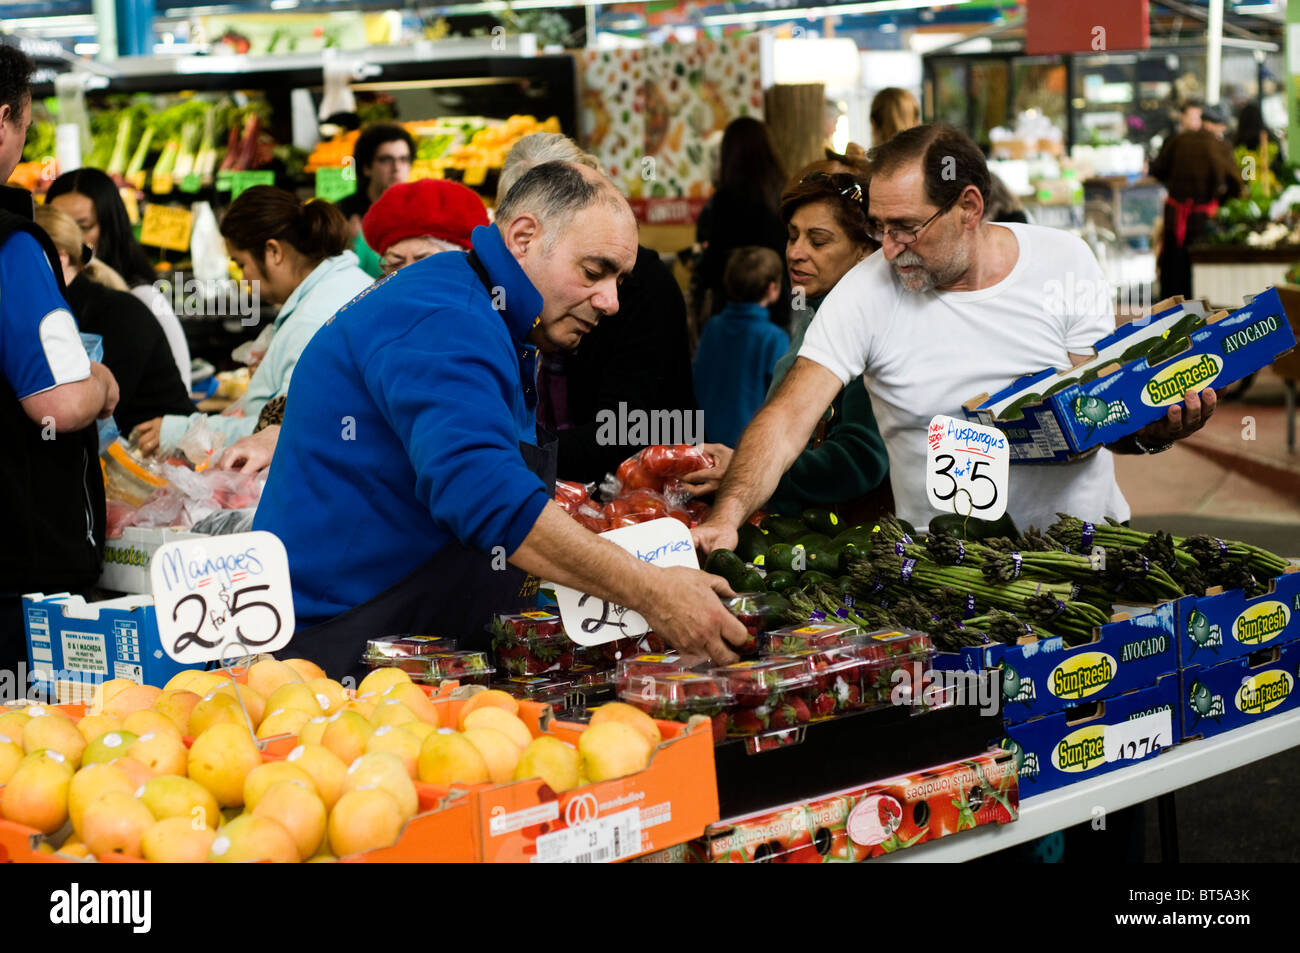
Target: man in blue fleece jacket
[{"x": 408, "y": 471}]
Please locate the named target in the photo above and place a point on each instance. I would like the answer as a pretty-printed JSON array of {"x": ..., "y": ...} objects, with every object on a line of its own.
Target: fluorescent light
[
  {"x": 85, "y": 49},
  {"x": 283, "y": 4},
  {"x": 816, "y": 13}
]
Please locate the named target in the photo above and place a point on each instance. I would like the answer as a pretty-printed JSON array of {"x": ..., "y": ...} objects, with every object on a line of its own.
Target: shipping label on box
[
  {"x": 1134, "y": 378},
  {"x": 1044, "y": 675},
  {"x": 1213, "y": 629},
  {"x": 1240, "y": 691},
  {"x": 73, "y": 645},
  {"x": 1071, "y": 745}
]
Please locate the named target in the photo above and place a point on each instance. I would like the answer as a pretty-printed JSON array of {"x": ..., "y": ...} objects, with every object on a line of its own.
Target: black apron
[{"x": 453, "y": 594}]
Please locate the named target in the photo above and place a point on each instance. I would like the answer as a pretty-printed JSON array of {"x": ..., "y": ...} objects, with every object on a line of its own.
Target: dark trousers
[{"x": 1175, "y": 263}]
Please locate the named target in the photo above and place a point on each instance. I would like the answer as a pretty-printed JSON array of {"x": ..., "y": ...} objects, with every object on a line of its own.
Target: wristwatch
[{"x": 1155, "y": 448}]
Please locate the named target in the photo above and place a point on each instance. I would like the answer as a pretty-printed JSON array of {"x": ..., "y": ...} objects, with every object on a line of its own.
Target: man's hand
[
  {"x": 1183, "y": 420},
  {"x": 111, "y": 391},
  {"x": 686, "y": 611},
  {"x": 251, "y": 454},
  {"x": 147, "y": 435},
  {"x": 714, "y": 534},
  {"x": 704, "y": 482}
]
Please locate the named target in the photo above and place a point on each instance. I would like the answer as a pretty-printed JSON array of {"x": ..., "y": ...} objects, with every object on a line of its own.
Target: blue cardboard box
[
  {"x": 1071, "y": 418},
  {"x": 1069, "y": 745},
  {"x": 1240, "y": 691},
  {"x": 1040, "y": 676},
  {"x": 73, "y": 645},
  {"x": 1213, "y": 629}
]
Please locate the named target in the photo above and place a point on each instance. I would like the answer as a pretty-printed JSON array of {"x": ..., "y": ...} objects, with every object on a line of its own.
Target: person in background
[
  {"x": 740, "y": 346},
  {"x": 135, "y": 349},
  {"x": 92, "y": 200},
  {"x": 410, "y": 222},
  {"x": 893, "y": 110},
  {"x": 1198, "y": 169},
  {"x": 298, "y": 255},
  {"x": 844, "y": 465},
  {"x": 745, "y": 210},
  {"x": 51, "y": 394},
  {"x": 381, "y": 159},
  {"x": 1252, "y": 134},
  {"x": 639, "y": 357},
  {"x": 414, "y": 220},
  {"x": 1003, "y": 206}
]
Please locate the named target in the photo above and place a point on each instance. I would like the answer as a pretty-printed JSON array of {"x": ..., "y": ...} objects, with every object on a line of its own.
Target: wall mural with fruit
[{"x": 664, "y": 104}]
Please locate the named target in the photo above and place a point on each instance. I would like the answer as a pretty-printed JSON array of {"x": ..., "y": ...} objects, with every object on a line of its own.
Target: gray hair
[
  {"x": 554, "y": 192},
  {"x": 534, "y": 150}
]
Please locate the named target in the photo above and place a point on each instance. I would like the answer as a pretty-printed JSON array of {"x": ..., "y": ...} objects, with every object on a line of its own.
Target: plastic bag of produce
[
  {"x": 201, "y": 445},
  {"x": 190, "y": 497},
  {"x": 652, "y": 467}
]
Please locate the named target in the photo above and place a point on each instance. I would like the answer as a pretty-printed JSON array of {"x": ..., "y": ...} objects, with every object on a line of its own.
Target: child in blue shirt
[{"x": 740, "y": 346}]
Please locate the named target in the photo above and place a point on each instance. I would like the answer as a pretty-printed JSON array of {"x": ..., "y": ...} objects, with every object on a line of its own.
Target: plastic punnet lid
[
  {"x": 897, "y": 644},
  {"x": 810, "y": 635},
  {"x": 405, "y": 646},
  {"x": 589, "y": 676},
  {"x": 833, "y": 659},
  {"x": 653, "y": 664},
  {"x": 538, "y": 627},
  {"x": 536, "y": 687},
  {"x": 777, "y": 673},
  {"x": 458, "y": 664},
  {"x": 676, "y": 694}
]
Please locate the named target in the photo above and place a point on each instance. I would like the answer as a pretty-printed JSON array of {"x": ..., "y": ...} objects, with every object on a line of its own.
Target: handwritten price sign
[
  {"x": 222, "y": 596},
  {"x": 592, "y": 621},
  {"x": 167, "y": 226},
  {"x": 966, "y": 468}
]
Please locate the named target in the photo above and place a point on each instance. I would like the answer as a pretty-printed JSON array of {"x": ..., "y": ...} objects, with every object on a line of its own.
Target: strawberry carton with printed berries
[
  {"x": 838, "y": 673},
  {"x": 768, "y": 695},
  {"x": 529, "y": 643},
  {"x": 679, "y": 696},
  {"x": 810, "y": 635}
]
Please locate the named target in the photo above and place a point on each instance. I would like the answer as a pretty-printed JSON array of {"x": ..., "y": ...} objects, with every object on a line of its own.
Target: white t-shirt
[
  {"x": 927, "y": 354},
  {"x": 171, "y": 325}
]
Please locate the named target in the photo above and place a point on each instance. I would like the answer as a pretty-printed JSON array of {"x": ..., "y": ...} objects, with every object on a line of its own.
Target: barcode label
[{"x": 601, "y": 841}]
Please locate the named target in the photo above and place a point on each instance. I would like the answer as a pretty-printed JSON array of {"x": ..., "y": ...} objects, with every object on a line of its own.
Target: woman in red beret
[
  {"x": 410, "y": 221},
  {"x": 414, "y": 220}
]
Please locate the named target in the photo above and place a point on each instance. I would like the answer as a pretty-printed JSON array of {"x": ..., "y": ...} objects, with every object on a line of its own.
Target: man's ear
[
  {"x": 521, "y": 233},
  {"x": 972, "y": 207}
]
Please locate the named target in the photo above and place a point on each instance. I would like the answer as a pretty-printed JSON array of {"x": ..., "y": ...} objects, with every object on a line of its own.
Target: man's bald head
[{"x": 554, "y": 192}]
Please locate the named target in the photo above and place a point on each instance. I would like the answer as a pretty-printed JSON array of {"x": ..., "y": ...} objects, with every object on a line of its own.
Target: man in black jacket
[
  {"x": 50, "y": 397},
  {"x": 631, "y": 365}
]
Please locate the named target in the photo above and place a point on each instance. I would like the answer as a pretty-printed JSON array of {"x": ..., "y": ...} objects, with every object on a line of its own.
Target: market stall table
[{"x": 1181, "y": 766}]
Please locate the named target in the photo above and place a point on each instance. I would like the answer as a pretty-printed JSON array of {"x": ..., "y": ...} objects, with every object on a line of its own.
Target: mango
[
  {"x": 403, "y": 744},
  {"x": 299, "y": 811},
  {"x": 177, "y": 706},
  {"x": 252, "y": 838},
  {"x": 37, "y": 794},
  {"x": 108, "y": 747},
  {"x": 502, "y": 721},
  {"x": 492, "y": 698},
  {"x": 92, "y": 726},
  {"x": 174, "y": 840},
  {"x": 282, "y": 721},
  {"x": 88, "y": 784},
  {"x": 382, "y": 678},
  {"x": 254, "y": 701},
  {"x": 498, "y": 751},
  {"x": 314, "y": 729},
  {"x": 391, "y": 711},
  {"x": 12, "y": 754},
  {"x": 364, "y": 820},
  {"x": 273, "y": 772},
  {"x": 448, "y": 758},
  {"x": 220, "y": 759},
  {"x": 160, "y": 752},
  {"x": 295, "y": 695},
  {"x": 266, "y": 676},
  {"x": 550, "y": 759},
  {"x": 330, "y": 693},
  {"x": 631, "y": 716},
  {"x": 54, "y": 734},
  {"x": 214, "y": 709},
  {"x": 346, "y": 735},
  {"x": 12, "y": 723},
  {"x": 151, "y": 722},
  {"x": 133, "y": 698},
  {"x": 172, "y": 796},
  {"x": 613, "y": 749},
  {"x": 106, "y": 692},
  {"x": 414, "y": 698},
  {"x": 306, "y": 670},
  {"x": 386, "y": 772},
  {"x": 326, "y": 769},
  {"x": 114, "y": 823}
]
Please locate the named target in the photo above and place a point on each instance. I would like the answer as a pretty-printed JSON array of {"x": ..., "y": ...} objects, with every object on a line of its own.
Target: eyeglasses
[
  {"x": 393, "y": 160},
  {"x": 843, "y": 183},
  {"x": 901, "y": 235}
]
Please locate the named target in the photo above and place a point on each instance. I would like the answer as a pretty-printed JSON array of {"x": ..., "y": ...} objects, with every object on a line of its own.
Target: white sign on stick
[
  {"x": 592, "y": 621},
  {"x": 966, "y": 468},
  {"x": 222, "y": 596}
]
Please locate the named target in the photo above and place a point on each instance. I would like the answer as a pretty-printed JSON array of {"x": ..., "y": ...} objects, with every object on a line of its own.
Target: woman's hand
[
  {"x": 704, "y": 482},
  {"x": 251, "y": 454},
  {"x": 147, "y": 436}
]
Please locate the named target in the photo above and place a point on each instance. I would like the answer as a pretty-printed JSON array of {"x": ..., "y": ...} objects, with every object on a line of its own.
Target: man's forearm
[{"x": 558, "y": 549}]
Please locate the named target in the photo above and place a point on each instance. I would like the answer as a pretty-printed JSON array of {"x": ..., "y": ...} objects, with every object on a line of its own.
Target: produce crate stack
[{"x": 1239, "y": 657}]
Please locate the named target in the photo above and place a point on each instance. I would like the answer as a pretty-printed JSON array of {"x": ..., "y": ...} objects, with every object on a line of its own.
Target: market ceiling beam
[{"x": 1203, "y": 16}]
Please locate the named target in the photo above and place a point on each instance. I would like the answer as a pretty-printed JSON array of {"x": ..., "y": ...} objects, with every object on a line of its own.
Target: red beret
[{"x": 436, "y": 207}]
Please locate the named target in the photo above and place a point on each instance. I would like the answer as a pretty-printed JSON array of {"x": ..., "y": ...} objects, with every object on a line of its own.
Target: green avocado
[
  {"x": 781, "y": 581},
  {"x": 810, "y": 579},
  {"x": 782, "y": 528},
  {"x": 821, "y": 521},
  {"x": 819, "y": 540},
  {"x": 780, "y": 558},
  {"x": 725, "y": 563},
  {"x": 751, "y": 580},
  {"x": 752, "y": 542}
]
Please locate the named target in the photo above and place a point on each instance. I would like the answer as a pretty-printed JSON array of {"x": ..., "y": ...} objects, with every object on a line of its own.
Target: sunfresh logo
[
  {"x": 1204, "y": 703},
  {"x": 1239, "y": 339},
  {"x": 1263, "y": 692},
  {"x": 1082, "y": 675},
  {"x": 1144, "y": 648},
  {"x": 1016, "y": 689},
  {"x": 1203, "y": 633},
  {"x": 1169, "y": 386},
  {"x": 1260, "y": 623},
  {"x": 125, "y": 556},
  {"x": 1082, "y": 750},
  {"x": 1026, "y": 761}
]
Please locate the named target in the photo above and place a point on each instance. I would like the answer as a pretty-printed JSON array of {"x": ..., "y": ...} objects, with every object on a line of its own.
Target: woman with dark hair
[
  {"x": 134, "y": 347},
  {"x": 744, "y": 210},
  {"x": 1253, "y": 134},
  {"x": 381, "y": 158},
  {"x": 845, "y": 465},
  {"x": 297, "y": 254},
  {"x": 92, "y": 200}
]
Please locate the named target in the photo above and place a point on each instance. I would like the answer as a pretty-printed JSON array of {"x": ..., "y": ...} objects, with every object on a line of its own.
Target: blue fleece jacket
[
  {"x": 733, "y": 368},
  {"x": 402, "y": 430}
]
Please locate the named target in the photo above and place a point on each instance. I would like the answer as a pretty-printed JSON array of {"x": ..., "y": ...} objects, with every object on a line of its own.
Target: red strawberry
[
  {"x": 745, "y": 721},
  {"x": 802, "y": 714},
  {"x": 823, "y": 705}
]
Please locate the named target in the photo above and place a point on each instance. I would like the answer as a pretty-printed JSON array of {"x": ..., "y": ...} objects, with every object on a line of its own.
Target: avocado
[
  {"x": 725, "y": 563},
  {"x": 752, "y": 542},
  {"x": 848, "y": 552},
  {"x": 751, "y": 580},
  {"x": 821, "y": 558},
  {"x": 811, "y": 579},
  {"x": 821, "y": 521},
  {"x": 782, "y": 528},
  {"x": 780, "y": 558},
  {"x": 781, "y": 581},
  {"x": 1140, "y": 349},
  {"x": 819, "y": 540}
]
